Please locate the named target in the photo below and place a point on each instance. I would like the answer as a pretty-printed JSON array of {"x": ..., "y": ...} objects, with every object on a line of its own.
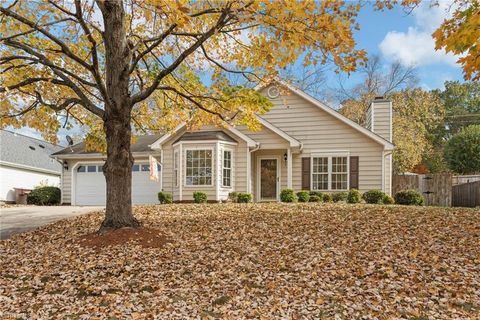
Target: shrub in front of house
[
  {"x": 327, "y": 197},
  {"x": 339, "y": 196},
  {"x": 288, "y": 195},
  {"x": 303, "y": 196},
  {"x": 353, "y": 196},
  {"x": 165, "y": 197},
  {"x": 232, "y": 196},
  {"x": 243, "y": 197},
  {"x": 316, "y": 193},
  {"x": 374, "y": 196},
  {"x": 44, "y": 196},
  {"x": 314, "y": 198},
  {"x": 199, "y": 197},
  {"x": 409, "y": 197},
  {"x": 388, "y": 199}
]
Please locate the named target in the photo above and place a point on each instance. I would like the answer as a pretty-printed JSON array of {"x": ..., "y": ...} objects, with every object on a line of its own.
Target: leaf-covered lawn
[{"x": 253, "y": 261}]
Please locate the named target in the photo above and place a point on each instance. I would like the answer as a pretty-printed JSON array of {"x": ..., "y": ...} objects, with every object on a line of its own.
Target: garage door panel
[{"x": 90, "y": 185}]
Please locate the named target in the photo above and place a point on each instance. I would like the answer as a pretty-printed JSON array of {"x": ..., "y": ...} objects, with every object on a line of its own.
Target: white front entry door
[{"x": 90, "y": 185}]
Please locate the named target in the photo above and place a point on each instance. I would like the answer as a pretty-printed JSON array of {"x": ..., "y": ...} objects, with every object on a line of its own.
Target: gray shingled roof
[
  {"x": 205, "y": 135},
  {"x": 141, "y": 144},
  {"x": 22, "y": 150}
]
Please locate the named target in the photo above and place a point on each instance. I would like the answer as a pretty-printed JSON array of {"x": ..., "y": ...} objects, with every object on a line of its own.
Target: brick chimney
[{"x": 379, "y": 118}]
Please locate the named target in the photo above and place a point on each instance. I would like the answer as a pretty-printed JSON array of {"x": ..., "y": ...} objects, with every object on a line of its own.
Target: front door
[{"x": 268, "y": 179}]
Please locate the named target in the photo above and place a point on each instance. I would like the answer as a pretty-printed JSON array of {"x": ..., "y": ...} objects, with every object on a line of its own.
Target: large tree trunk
[{"x": 118, "y": 167}]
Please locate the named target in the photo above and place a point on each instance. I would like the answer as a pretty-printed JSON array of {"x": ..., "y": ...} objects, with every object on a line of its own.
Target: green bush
[
  {"x": 327, "y": 197},
  {"x": 233, "y": 196},
  {"x": 44, "y": 196},
  {"x": 339, "y": 196},
  {"x": 165, "y": 197},
  {"x": 317, "y": 193},
  {"x": 303, "y": 196},
  {"x": 199, "y": 197},
  {"x": 409, "y": 197},
  {"x": 315, "y": 198},
  {"x": 244, "y": 197},
  {"x": 374, "y": 196},
  {"x": 353, "y": 196},
  {"x": 287, "y": 195},
  {"x": 388, "y": 199}
]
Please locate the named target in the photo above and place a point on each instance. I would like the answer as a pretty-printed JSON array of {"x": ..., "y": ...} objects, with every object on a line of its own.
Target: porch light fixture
[
  {"x": 285, "y": 157},
  {"x": 65, "y": 165}
]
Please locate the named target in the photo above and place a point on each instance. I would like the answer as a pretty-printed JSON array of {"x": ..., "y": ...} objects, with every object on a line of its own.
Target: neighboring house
[
  {"x": 303, "y": 144},
  {"x": 25, "y": 163}
]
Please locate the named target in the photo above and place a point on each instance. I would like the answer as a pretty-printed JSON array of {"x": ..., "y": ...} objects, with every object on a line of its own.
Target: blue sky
[{"x": 395, "y": 35}]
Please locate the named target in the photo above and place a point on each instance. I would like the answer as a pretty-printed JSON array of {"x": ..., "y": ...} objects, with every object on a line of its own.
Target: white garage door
[{"x": 90, "y": 186}]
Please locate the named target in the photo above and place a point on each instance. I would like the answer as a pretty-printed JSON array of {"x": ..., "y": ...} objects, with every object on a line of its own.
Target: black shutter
[
  {"x": 354, "y": 172},
  {"x": 306, "y": 173}
]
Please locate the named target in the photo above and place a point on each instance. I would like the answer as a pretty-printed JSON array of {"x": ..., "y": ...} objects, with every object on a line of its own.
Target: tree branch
[
  {"x": 222, "y": 20},
  {"x": 43, "y": 60}
]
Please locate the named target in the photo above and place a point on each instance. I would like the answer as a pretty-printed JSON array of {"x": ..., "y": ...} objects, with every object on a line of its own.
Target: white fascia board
[
  {"x": 387, "y": 145},
  {"x": 158, "y": 144},
  {"x": 293, "y": 142},
  {"x": 101, "y": 155},
  {"x": 250, "y": 142}
]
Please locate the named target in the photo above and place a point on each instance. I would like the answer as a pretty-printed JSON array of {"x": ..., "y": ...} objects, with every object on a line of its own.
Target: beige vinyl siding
[
  {"x": 368, "y": 119},
  {"x": 241, "y": 153},
  {"x": 66, "y": 184},
  {"x": 382, "y": 119},
  {"x": 320, "y": 132},
  {"x": 266, "y": 137},
  {"x": 388, "y": 174}
]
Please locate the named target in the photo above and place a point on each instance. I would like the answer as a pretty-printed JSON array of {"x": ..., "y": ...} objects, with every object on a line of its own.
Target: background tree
[
  {"x": 463, "y": 150},
  {"x": 416, "y": 114},
  {"x": 462, "y": 104},
  {"x": 376, "y": 81},
  {"x": 117, "y": 65}
]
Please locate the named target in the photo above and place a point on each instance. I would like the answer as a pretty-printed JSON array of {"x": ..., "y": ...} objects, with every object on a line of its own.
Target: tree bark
[{"x": 118, "y": 108}]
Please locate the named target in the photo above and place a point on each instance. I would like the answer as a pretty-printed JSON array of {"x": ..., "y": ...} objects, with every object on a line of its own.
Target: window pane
[
  {"x": 100, "y": 169},
  {"x": 92, "y": 168},
  {"x": 198, "y": 167},
  {"x": 145, "y": 167},
  {"x": 81, "y": 169},
  {"x": 135, "y": 167}
]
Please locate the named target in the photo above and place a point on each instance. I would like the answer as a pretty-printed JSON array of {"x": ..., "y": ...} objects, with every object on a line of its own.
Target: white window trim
[
  {"x": 330, "y": 155},
  {"x": 212, "y": 163},
  {"x": 222, "y": 152}
]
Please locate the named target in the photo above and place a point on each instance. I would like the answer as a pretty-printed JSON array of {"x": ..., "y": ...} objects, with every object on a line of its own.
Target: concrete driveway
[{"x": 19, "y": 219}]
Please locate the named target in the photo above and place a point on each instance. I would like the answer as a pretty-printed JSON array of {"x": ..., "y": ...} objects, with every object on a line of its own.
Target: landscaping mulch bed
[
  {"x": 249, "y": 261},
  {"x": 145, "y": 237}
]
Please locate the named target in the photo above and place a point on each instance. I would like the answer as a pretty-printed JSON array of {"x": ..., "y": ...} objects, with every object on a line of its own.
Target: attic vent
[
  {"x": 379, "y": 98},
  {"x": 41, "y": 146},
  {"x": 32, "y": 148}
]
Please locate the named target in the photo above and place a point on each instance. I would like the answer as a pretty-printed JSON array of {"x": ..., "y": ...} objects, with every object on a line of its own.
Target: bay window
[{"x": 198, "y": 167}]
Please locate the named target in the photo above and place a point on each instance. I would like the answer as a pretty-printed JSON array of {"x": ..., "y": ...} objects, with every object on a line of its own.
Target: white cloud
[{"x": 416, "y": 46}]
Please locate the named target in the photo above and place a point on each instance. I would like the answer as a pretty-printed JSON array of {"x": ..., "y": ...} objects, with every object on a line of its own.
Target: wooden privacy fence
[
  {"x": 466, "y": 195},
  {"x": 435, "y": 188}
]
